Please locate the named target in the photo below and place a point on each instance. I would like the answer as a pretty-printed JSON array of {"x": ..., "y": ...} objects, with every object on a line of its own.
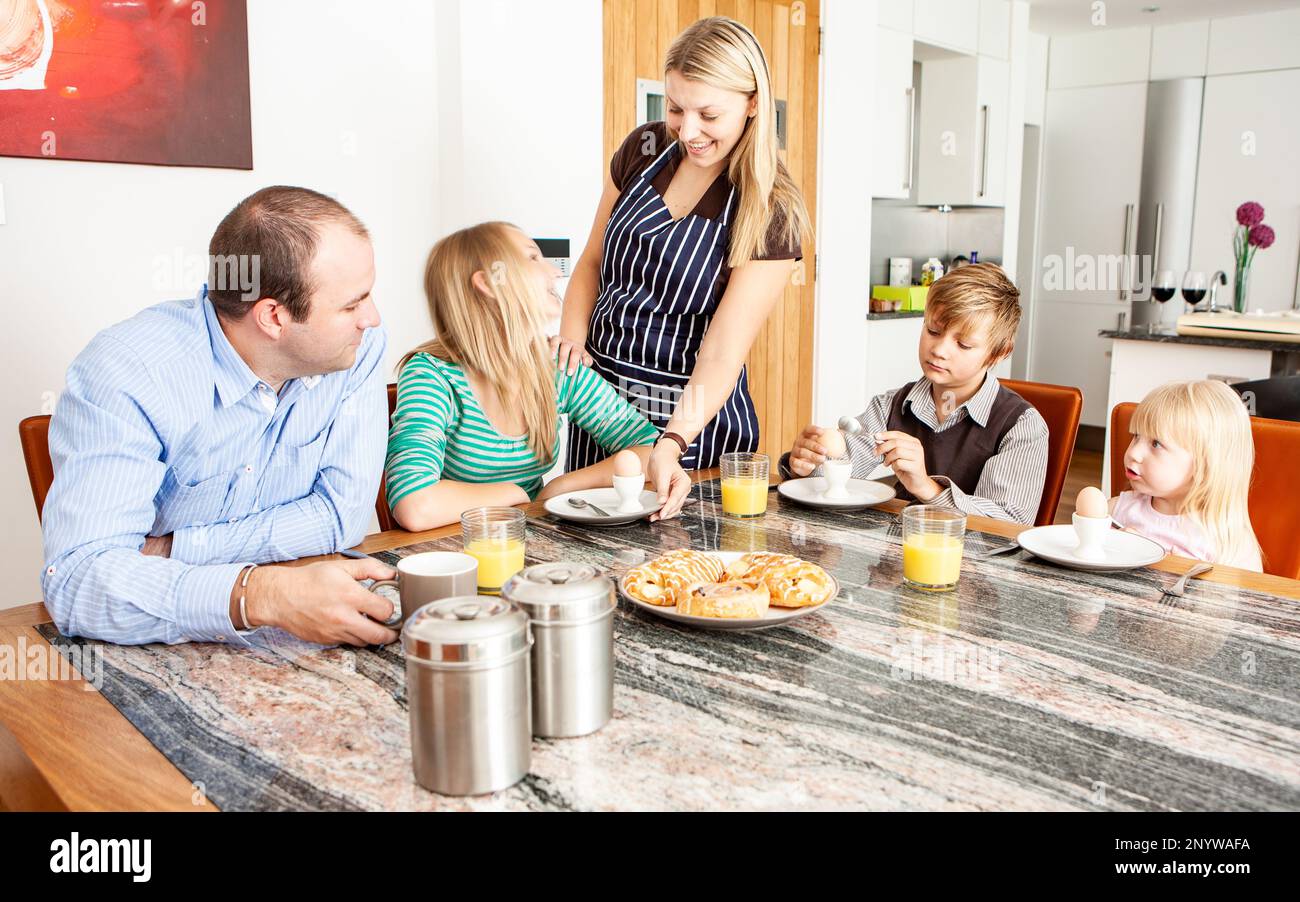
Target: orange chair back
[
  {"x": 34, "y": 435},
  {"x": 386, "y": 521},
  {"x": 1274, "y": 503},
  {"x": 1059, "y": 406}
]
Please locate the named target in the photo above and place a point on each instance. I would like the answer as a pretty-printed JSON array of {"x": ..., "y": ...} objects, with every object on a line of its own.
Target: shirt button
[
  {"x": 221, "y": 638},
  {"x": 248, "y": 468},
  {"x": 232, "y": 519},
  {"x": 50, "y": 571}
]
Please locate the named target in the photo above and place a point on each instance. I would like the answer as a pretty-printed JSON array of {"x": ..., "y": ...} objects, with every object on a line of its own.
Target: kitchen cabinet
[
  {"x": 1250, "y": 150},
  {"x": 995, "y": 28},
  {"x": 1104, "y": 56},
  {"x": 895, "y": 14},
  {"x": 891, "y": 354},
  {"x": 963, "y": 132},
  {"x": 1092, "y": 171},
  {"x": 1255, "y": 43},
  {"x": 954, "y": 24},
  {"x": 894, "y": 119},
  {"x": 1178, "y": 51}
]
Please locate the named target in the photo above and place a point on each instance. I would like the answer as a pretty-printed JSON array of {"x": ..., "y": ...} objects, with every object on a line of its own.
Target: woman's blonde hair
[
  {"x": 499, "y": 337},
  {"x": 724, "y": 54},
  {"x": 1209, "y": 421}
]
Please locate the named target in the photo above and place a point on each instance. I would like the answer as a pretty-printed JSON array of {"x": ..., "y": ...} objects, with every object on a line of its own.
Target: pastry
[
  {"x": 730, "y": 599},
  {"x": 752, "y": 566},
  {"x": 798, "y": 584},
  {"x": 661, "y": 581}
]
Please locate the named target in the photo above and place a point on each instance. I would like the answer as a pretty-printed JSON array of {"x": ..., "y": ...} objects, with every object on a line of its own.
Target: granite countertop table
[
  {"x": 1029, "y": 687},
  {"x": 1249, "y": 344}
]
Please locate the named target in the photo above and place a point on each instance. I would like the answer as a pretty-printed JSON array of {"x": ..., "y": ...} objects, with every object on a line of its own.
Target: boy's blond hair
[{"x": 979, "y": 296}]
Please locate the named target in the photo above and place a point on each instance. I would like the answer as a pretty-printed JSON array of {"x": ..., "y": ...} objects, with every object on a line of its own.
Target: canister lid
[
  {"x": 465, "y": 628},
  {"x": 561, "y": 591}
]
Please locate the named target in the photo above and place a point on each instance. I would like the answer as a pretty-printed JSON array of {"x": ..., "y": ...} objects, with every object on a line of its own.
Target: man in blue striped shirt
[{"x": 244, "y": 426}]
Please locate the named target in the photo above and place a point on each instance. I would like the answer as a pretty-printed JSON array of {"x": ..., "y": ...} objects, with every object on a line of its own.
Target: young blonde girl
[
  {"x": 478, "y": 407},
  {"x": 1189, "y": 465}
]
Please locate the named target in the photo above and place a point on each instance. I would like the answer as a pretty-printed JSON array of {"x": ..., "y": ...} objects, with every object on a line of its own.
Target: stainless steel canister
[
  {"x": 571, "y": 609},
  {"x": 467, "y": 688}
]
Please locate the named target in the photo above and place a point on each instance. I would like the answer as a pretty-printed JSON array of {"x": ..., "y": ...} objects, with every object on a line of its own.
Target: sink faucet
[{"x": 1219, "y": 278}]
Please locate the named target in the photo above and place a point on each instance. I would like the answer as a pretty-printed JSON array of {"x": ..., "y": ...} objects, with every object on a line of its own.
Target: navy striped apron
[{"x": 659, "y": 289}]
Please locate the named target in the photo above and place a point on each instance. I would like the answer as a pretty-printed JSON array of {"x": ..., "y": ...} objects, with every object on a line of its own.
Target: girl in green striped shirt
[{"x": 478, "y": 408}]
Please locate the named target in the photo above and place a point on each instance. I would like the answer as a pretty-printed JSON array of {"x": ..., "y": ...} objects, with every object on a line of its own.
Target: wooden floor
[{"x": 1085, "y": 469}]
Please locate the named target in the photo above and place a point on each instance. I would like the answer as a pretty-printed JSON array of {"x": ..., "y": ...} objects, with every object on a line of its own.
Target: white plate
[
  {"x": 775, "y": 616},
  {"x": 1124, "y": 550},
  {"x": 811, "y": 491},
  {"x": 605, "y": 499}
]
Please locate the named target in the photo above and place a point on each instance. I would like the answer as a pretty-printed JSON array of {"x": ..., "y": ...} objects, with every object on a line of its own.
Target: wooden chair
[
  {"x": 34, "y": 435},
  {"x": 1059, "y": 406},
  {"x": 1273, "y": 502},
  {"x": 386, "y": 521}
]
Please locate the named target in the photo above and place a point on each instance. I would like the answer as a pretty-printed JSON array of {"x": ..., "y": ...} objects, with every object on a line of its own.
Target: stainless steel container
[
  {"x": 467, "y": 688},
  {"x": 571, "y": 609}
]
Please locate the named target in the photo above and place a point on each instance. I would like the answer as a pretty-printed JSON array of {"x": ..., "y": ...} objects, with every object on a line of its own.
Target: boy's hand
[
  {"x": 812, "y": 448},
  {"x": 904, "y": 455}
]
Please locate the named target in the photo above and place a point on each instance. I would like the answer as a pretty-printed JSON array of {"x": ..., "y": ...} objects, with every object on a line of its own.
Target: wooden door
[{"x": 637, "y": 36}]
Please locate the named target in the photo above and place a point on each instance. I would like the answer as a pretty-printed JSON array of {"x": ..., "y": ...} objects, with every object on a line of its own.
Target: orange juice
[
  {"x": 932, "y": 559},
  {"x": 744, "y": 496},
  {"x": 498, "y": 560}
]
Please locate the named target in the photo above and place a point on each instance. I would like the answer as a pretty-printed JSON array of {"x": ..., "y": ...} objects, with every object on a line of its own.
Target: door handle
[
  {"x": 910, "y": 93},
  {"x": 1124, "y": 251},
  {"x": 984, "y": 156},
  {"x": 1155, "y": 253}
]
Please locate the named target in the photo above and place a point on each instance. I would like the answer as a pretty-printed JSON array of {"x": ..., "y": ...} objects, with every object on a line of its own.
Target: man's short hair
[
  {"x": 977, "y": 296},
  {"x": 277, "y": 229}
]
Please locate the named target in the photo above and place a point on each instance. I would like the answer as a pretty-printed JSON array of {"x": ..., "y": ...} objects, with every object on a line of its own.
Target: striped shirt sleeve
[
  {"x": 426, "y": 411},
  {"x": 594, "y": 405}
]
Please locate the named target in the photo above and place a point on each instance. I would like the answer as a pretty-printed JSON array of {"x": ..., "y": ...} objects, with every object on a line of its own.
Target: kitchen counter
[
  {"x": 1173, "y": 337},
  {"x": 1030, "y": 687},
  {"x": 900, "y": 314}
]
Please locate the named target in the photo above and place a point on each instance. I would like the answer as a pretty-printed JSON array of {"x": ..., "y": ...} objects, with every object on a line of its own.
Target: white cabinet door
[
  {"x": 963, "y": 131},
  {"x": 895, "y": 14},
  {"x": 1102, "y": 56},
  {"x": 1092, "y": 169},
  {"x": 995, "y": 28},
  {"x": 1250, "y": 150},
  {"x": 948, "y": 23},
  {"x": 895, "y": 116}
]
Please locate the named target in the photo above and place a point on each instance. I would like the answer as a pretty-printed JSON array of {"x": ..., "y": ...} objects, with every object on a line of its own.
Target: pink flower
[
  {"x": 1261, "y": 236},
  {"x": 1250, "y": 214}
]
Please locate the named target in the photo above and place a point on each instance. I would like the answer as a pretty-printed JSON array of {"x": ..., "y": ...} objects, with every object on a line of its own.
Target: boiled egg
[
  {"x": 1091, "y": 502},
  {"x": 626, "y": 463}
]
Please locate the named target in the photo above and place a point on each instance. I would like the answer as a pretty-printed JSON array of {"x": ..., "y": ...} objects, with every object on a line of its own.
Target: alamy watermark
[{"x": 38, "y": 661}]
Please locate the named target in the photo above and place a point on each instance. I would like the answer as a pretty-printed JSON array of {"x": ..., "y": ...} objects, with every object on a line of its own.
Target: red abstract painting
[{"x": 126, "y": 81}]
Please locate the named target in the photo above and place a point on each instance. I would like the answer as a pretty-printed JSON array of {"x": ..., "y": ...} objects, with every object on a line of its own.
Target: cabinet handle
[
  {"x": 1124, "y": 263},
  {"x": 1155, "y": 254},
  {"x": 984, "y": 158},
  {"x": 1119, "y": 322},
  {"x": 911, "y": 133}
]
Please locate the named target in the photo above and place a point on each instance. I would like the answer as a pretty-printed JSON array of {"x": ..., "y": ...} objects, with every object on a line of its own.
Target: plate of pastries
[{"x": 729, "y": 590}]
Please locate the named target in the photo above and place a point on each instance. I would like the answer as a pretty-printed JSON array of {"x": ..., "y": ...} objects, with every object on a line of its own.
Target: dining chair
[
  {"x": 34, "y": 435},
  {"x": 386, "y": 521},
  {"x": 1273, "y": 502},
  {"x": 1059, "y": 406}
]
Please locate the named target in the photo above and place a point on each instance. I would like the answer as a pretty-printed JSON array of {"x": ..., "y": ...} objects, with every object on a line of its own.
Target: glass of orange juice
[
  {"x": 932, "y": 542},
  {"x": 744, "y": 484},
  {"x": 494, "y": 536}
]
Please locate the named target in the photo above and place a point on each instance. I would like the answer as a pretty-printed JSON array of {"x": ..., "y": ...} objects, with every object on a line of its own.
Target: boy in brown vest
[{"x": 955, "y": 437}]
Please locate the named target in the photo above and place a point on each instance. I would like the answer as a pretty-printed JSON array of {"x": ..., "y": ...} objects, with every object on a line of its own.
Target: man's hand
[
  {"x": 157, "y": 546},
  {"x": 813, "y": 446},
  {"x": 904, "y": 455},
  {"x": 321, "y": 602}
]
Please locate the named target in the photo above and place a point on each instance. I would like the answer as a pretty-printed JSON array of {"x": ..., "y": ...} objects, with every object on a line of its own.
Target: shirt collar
[
  {"x": 232, "y": 376},
  {"x": 978, "y": 406}
]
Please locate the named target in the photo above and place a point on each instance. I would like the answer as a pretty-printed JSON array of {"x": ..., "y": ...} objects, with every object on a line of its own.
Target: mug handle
[{"x": 397, "y": 607}]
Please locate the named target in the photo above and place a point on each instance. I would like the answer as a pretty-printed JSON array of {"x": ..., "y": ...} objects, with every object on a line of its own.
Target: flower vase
[{"x": 1240, "y": 287}]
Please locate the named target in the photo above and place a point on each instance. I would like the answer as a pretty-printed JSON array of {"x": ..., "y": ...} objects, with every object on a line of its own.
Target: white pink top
[{"x": 1176, "y": 533}]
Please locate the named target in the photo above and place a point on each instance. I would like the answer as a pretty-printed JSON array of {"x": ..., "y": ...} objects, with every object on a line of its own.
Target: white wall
[{"x": 85, "y": 245}]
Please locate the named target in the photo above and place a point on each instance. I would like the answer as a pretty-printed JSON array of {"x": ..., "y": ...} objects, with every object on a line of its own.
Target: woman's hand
[
  {"x": 568, "y": 353},
  {"x": 668, "y": 480}
]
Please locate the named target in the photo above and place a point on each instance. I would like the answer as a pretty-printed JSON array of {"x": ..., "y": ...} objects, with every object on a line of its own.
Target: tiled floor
[{"x": 1085, "y": 469}]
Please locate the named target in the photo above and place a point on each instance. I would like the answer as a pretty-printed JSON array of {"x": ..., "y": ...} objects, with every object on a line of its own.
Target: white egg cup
[
  {"x": 835, "y": 475},
  {"x": 1091, "y": 532},
  {"x": 629, "y": 492}
]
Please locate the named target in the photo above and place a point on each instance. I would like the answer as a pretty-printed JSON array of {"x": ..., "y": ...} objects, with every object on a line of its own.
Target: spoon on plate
[{"x": 580, "y": 504}]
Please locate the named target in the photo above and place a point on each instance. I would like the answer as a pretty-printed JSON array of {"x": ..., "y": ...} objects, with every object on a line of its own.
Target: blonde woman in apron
[{"x": 693, "y": 243}]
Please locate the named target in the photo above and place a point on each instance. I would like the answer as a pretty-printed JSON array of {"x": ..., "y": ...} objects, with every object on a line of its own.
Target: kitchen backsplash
[{"x": 901, "y": 229}]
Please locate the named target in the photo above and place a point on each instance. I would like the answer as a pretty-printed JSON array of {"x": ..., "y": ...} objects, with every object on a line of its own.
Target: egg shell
[
  {"x": 626, "y": 463},
  {"x": 1091, "y": 502}
]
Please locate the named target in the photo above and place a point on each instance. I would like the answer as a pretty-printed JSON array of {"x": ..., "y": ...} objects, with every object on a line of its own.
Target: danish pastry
[
  {"x": 663, "y": 580},
  {"x": 735, "y": 600},
  {"x": 751, "y": 567},
  {"x": 798, "y": 584}
]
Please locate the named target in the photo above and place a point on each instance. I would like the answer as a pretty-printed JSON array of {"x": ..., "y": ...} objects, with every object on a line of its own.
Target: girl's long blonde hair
[
  {"x": 1208, "y": 420},
  {"x": 724, "y": 54},
  {"x": 499, "y": 338}
]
